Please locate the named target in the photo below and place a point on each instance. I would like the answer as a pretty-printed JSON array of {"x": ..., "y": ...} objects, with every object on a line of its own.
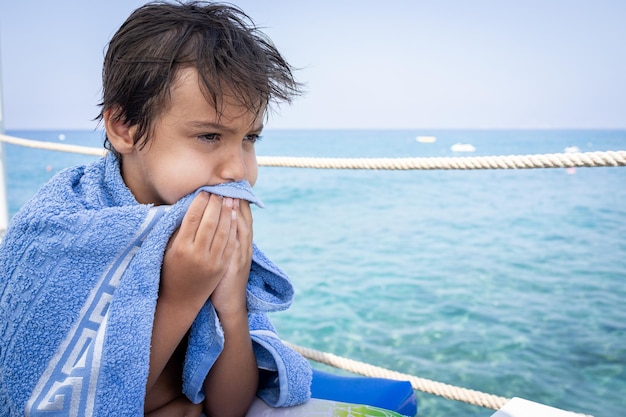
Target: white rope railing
[
  {"x": 421, "y": 384},
  {"x": 51, "y": 146},
  {"x": 557, "y": 160},
  {"x": 428, "y": 386}
]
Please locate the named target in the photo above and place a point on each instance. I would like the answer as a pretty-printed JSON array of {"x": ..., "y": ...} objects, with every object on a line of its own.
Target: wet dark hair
[{"x": 160, "y": 38}]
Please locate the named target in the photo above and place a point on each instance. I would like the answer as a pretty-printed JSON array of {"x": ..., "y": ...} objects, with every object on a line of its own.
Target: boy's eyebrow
[{"x": 219, "y": 126}]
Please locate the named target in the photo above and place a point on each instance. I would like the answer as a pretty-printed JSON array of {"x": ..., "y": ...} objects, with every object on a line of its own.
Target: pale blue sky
[{"x": 385, "y": 64}]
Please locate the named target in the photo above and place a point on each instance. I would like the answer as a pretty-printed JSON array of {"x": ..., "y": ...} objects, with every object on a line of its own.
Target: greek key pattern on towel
[{"x": 68, "y": 386}]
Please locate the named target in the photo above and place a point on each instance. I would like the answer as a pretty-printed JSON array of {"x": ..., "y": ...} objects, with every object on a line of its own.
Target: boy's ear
[{"x": 121, "y": 136}]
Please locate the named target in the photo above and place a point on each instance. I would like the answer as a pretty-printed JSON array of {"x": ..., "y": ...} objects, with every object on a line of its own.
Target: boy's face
[{"x": 192, "y": 146}]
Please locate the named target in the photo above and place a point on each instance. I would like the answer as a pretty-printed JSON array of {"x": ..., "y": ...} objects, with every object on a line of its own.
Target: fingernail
[
  {"x": 233, "y": 215},
  {"x": 229, "y": 202}
]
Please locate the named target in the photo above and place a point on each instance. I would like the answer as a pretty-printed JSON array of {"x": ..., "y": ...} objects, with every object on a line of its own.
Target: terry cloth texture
[{"x": 79, "y": 279}]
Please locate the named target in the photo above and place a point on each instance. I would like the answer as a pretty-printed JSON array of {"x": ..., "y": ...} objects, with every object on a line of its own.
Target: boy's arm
[{"x": 232, "y": 382}]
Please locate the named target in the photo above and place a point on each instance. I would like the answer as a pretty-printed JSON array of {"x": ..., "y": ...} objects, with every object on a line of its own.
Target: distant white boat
[
  {"x": 426, "y": 139},
  {"x": 462, "y": 147},
  {"x": 572, "y": 149},
  {"x": 61, "y": 136}
]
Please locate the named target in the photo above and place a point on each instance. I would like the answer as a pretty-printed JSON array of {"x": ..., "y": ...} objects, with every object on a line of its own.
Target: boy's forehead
[{"x": 228, "y": 101}]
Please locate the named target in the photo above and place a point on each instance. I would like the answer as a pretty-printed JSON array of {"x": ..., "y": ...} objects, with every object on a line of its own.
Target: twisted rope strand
[
  {"x": 556, "y": 160},
  {"x": 51, "y": 146},
  {"x": 440, "y": 389},
  {"x": 425, "y": 385}
]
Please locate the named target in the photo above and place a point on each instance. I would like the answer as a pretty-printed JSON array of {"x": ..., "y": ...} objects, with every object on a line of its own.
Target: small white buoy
[
  {"x": 426, "y": 139},
  {"x": 462, "y": 147},
  {"x": 61, "y": 136}
]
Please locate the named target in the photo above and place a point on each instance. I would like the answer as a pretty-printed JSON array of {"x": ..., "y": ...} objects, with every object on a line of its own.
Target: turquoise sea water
[{"x": 510, "y": 282}]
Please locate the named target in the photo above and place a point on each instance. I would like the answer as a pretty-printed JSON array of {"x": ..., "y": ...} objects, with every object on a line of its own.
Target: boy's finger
[
  {"x": 193, "y": 217},
  {"x": 246, "y": 212},
  {"x": 210, "y": 222},
  {"x": 229, "y": 249}
]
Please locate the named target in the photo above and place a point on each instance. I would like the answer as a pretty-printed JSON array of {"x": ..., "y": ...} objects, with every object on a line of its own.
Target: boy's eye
[
  {"x": 214, "y": 137},
  {"x": 209, "y": 137},
  {"x": 253, "y": 138}
]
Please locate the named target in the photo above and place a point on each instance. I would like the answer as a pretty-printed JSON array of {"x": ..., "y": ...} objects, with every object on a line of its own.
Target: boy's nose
[{"x": 233, "y": 166}]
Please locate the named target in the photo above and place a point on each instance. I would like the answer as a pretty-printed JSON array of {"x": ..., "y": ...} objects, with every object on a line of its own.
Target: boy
[{"x": 176, "y": 325}]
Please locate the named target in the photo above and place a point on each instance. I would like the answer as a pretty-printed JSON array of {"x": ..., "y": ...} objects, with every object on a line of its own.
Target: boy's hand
[
  {"x": 200, "y": 252},
  {"x": 229, "y": 296}
]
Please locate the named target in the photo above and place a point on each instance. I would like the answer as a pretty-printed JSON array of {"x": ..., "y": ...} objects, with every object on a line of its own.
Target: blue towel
[{"x": 79, "y": 278}]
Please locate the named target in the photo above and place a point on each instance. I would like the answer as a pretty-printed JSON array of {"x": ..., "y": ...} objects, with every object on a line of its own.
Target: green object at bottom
[
  {"x": 355, "y": 410},
  {"x": 319, "y": 408}
]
